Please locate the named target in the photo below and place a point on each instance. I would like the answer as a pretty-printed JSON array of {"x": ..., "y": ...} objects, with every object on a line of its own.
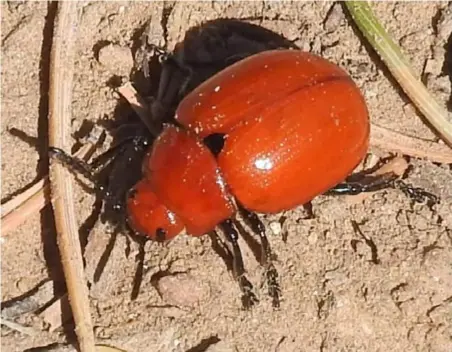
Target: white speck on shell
[
  {"x": 171, "y": 217},
  {"x": 264, "y": 164}
]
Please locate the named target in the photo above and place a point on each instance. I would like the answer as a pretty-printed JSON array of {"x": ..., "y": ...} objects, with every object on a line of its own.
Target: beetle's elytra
[{"x": 294, "y": 126}]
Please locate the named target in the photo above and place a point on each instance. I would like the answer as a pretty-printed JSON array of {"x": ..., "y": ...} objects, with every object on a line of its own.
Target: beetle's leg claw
[{"x": 417, "y": 194}]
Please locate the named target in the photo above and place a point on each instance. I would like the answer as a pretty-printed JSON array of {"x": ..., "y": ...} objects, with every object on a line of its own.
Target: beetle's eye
[
  {"x": 160, "y": 235},
  {"x": 131, "y": 194},
  {"x": 215, "y": 142}
]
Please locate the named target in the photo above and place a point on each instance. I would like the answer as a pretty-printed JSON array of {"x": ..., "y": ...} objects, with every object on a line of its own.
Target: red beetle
[{"x": 294, "y": 126}]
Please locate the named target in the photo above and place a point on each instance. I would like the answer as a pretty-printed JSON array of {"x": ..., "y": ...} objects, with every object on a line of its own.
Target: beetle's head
[{"x": 148, "y": 216}]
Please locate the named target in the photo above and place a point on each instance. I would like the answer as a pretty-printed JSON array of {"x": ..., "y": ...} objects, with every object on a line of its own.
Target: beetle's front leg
[
  {"x": 91, "y": 170},
  {"x": 174, "y": 79}
]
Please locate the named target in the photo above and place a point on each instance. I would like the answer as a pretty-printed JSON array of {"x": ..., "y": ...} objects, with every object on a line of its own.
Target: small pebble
[
  {"x": 334, "y": 18},
  {"x": 275, "y": 227},
  {"x": 116, "y": 59},
  {"x": 433, "y": 67},
  {"x": 398, "y": 166},
  {"x": 221, "y": 346},
  {"x": 181, "y": 289},
  {"x": 313, "y": 238}
]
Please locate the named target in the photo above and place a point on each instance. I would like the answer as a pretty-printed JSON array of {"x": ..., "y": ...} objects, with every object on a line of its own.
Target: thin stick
[
  {"x": 60, "y": 99},
  {"x": 401, "y": 70},
  {"x": 32, "y": 202},
  {"x": 17, "y": 202},
  {"x": 22, "y": 207},
  {"x": 393, "y": 141},
  {"x": 139, "y": 106},
  {"x": 18, "y": 327}
]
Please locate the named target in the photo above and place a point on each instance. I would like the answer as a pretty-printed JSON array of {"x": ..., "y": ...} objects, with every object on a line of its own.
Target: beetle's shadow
[
  {"x": 447, "y": 66},
  {"x": 206, "y": 49}
]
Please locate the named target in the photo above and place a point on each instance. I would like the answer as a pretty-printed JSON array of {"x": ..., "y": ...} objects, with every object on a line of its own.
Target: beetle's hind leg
[
  {"x": 248, "y": 296},
  {"x": 376, "y": 183},
  {"x": 271, "y": 274}
]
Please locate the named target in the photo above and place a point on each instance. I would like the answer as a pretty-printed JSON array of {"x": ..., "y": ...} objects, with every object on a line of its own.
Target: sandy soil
[{"x": 335, "y": 298}]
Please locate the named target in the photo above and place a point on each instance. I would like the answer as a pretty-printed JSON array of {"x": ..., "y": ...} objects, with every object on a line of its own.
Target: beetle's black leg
[
  {"x": 174, "y": 81},
  {"x": 105, "y": 158},
  {"x": 271, "y": 274},
  {"x": 248, "y": 297},
  {"x": 366, "y": 185},
  {"x": 90, "y": 170},
  {"x": 165, "y": 57},
  {"x": 74, "y": 164},
  {"x": 382, "y": 182},
  {"x": 168, "y": 59},
  {"x": 173, "y": 70},
  {"x": 222, "y": 249},
  {"x": 417, "y": 194}
]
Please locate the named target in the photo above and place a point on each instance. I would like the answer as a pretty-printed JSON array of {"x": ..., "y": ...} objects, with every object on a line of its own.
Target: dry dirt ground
[{"x": 335, "y": 297}]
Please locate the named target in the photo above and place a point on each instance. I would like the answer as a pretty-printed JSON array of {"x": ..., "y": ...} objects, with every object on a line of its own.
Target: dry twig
[
  {"x": 60, "y": 96},
  {"x": 24, "y": 205},
  {"x": 18, "y": 327},
  {"x": 400, "y": 68},
  {"x": 396, "y": 142},
  {"x": 139, "y": 105},
  {"x": 20, "y": 208}
]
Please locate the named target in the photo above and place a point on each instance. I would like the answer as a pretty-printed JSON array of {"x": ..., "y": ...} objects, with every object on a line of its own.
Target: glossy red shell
[{"x": 295, "y": 125}]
